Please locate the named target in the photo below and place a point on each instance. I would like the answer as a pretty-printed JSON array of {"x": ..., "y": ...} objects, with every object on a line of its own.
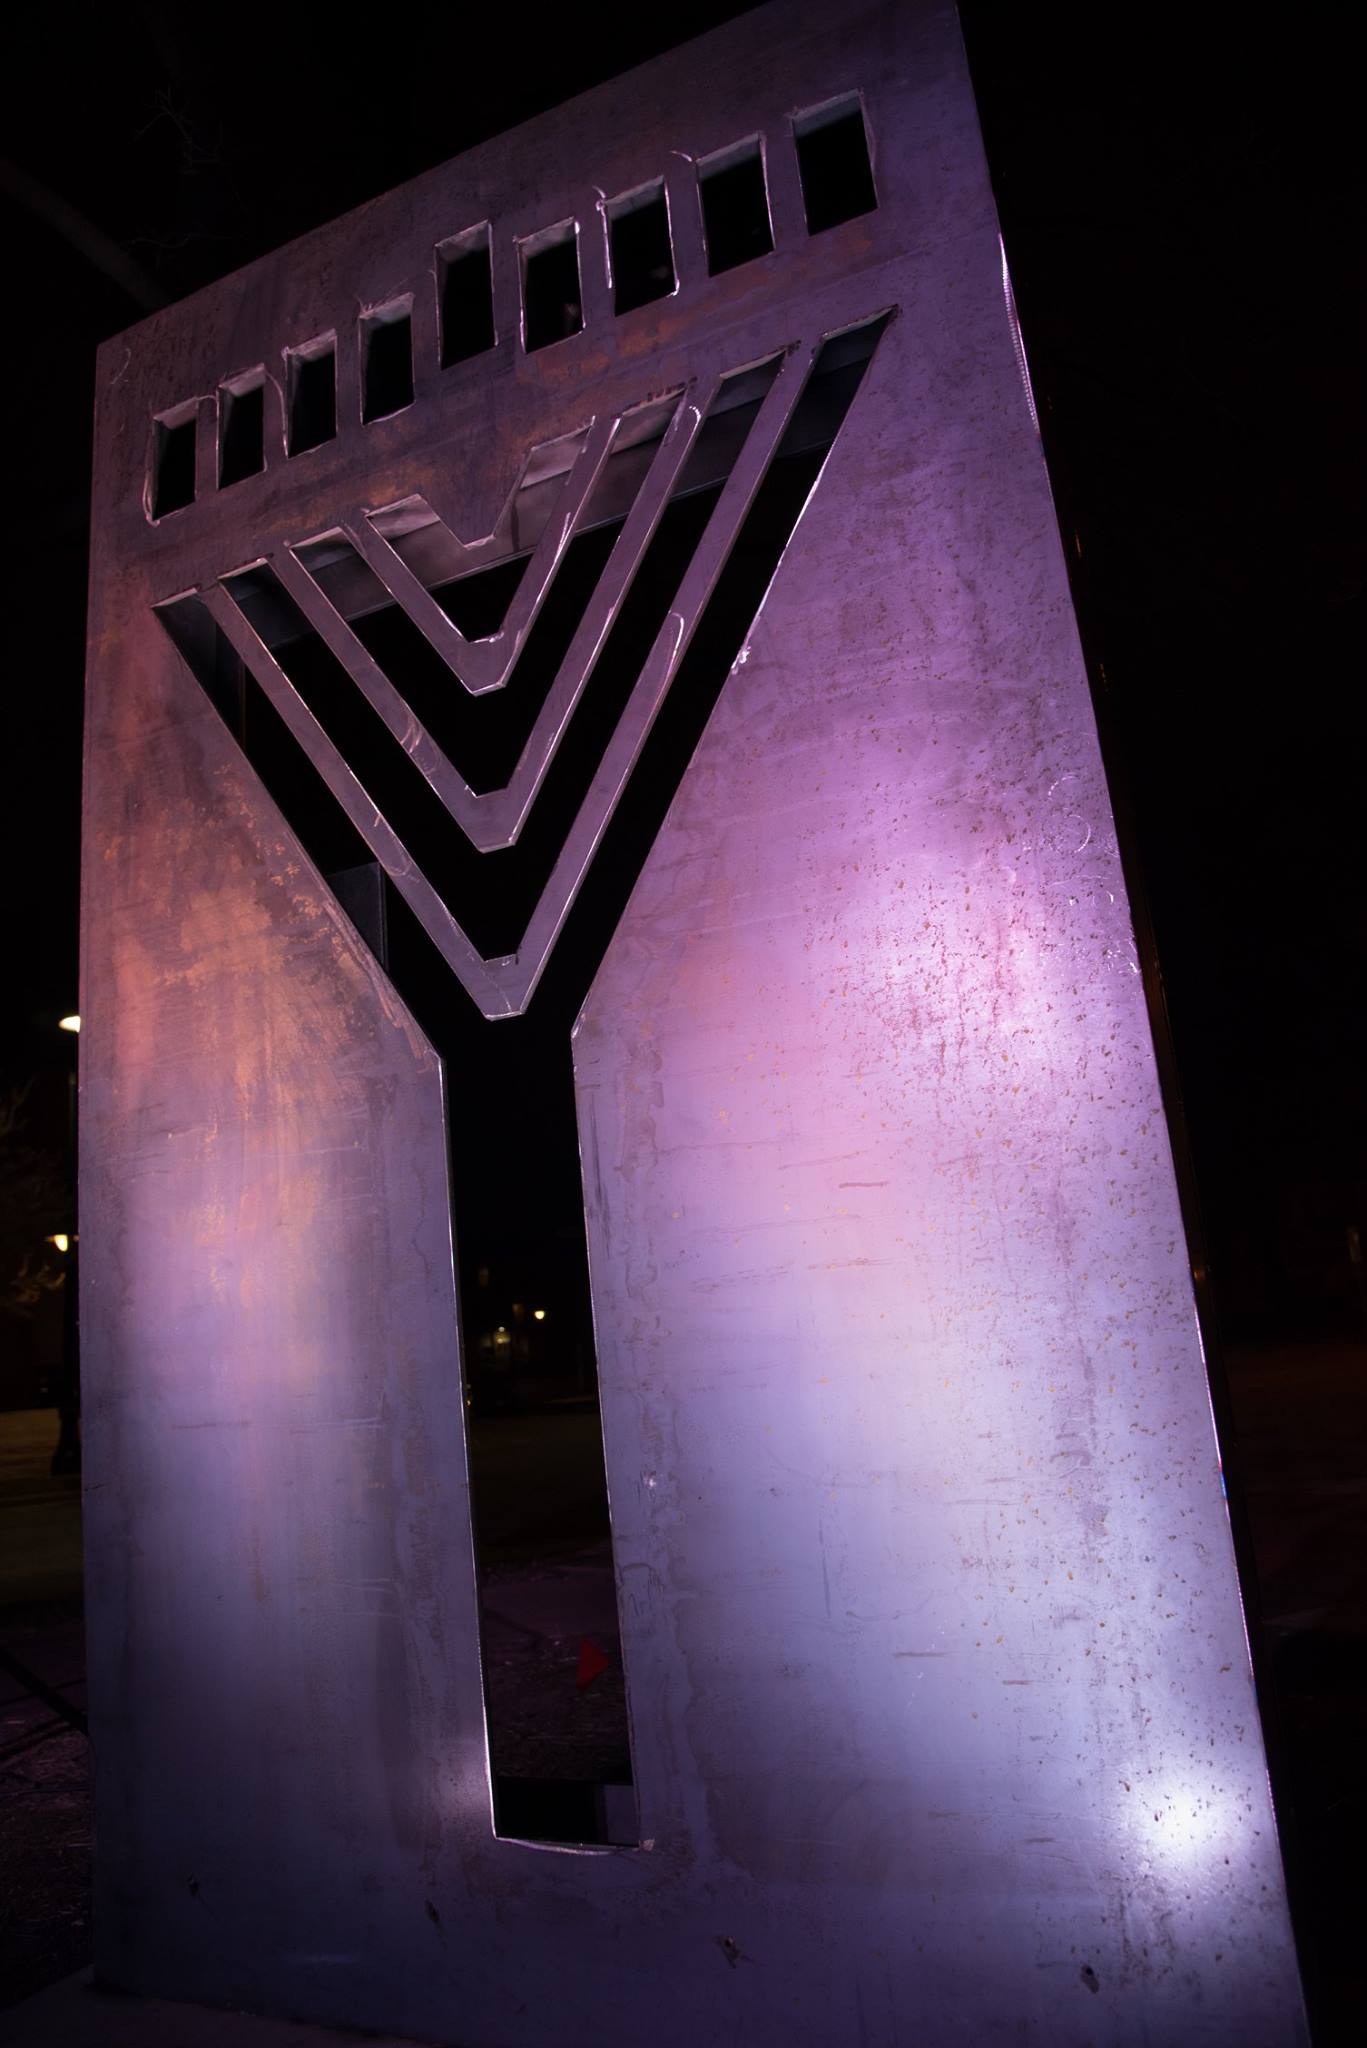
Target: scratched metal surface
[{"x": 943, "y": 1722}]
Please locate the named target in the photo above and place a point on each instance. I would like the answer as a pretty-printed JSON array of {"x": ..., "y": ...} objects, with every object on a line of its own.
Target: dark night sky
[{"x": 1183, "y": 220}]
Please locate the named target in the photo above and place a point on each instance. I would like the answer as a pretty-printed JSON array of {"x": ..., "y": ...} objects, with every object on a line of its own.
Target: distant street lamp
[{"x": 71, "y": 1023}]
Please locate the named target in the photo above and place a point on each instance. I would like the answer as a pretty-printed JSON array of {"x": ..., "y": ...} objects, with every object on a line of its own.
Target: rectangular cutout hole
[
  {"x": 833, "y": 163},
  {"x": 735, "y": 206},
  {"x": 387, "y": 360},
  {"x": 241, "y": 428},
  {"x": 173, "y": 463},
  {"x": 552, "y": 303},
  {"x": 312, "y": 388},
  {"x": 642, "y": 254},
  {"x": 465, "y": 296}
]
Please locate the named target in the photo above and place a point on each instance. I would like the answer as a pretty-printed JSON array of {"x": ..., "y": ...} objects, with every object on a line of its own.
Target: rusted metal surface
[{"x": 942, "y": 1715}]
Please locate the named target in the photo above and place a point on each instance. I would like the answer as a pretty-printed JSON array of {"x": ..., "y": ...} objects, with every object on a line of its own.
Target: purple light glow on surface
[{"x": 940, "y": 1699}]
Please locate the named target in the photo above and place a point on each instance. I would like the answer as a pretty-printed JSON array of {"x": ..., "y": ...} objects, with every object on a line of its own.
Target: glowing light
[
  {"x": 1189, "y": 1827},
  {"x": 71, "y": 1023},
  {"x": 538, "y": 1315},
  {"x": 61, "y": 1240}
]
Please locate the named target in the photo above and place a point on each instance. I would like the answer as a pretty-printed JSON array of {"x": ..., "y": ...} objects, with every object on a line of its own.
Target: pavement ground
[{"x": 1298, "y": 1454}]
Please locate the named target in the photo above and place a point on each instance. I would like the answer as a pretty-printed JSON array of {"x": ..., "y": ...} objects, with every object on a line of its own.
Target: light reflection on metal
[
  {"x": 1017, "y": 338},
  {"x": 942, "y": 1715},
  {"x": 503, "y": 987}
]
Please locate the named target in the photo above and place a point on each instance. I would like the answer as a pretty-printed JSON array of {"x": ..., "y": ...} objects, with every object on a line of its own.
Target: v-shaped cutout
[
  {"x": 486, "y": 664},
  {"x": 495, "y": 818},
  {"x": 502, "y": 986}
]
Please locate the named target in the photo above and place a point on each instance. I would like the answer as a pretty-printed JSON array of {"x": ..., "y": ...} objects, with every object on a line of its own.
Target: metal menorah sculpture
[{"x": 630, "y": 544}]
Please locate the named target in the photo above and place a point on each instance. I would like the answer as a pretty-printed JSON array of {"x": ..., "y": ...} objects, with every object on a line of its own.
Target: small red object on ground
[{"x": 592, "y": 1663}]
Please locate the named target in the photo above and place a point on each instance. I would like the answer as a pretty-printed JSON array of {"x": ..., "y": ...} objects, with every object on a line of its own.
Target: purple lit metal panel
[{"x": 942, "y": 1716}]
